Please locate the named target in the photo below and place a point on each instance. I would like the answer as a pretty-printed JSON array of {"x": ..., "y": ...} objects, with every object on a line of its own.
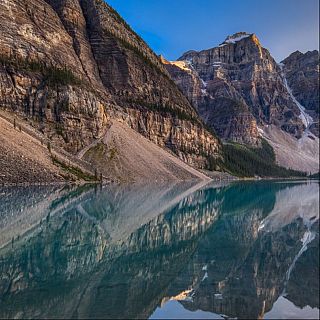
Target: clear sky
[{"x": 172, "y": 27}]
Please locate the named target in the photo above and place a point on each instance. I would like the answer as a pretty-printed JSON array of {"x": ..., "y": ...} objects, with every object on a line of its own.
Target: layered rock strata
[
  {"x": 70, "y": 67},
  {"x": 236, "y": 87},
  {"x": 302, "y": 74}
]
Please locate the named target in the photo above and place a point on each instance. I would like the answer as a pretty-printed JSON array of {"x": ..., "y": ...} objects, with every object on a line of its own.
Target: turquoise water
[{"x": 245, "y": 250}]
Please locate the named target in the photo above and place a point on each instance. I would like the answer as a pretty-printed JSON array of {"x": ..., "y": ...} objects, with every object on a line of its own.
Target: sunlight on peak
[{"x": 181, "y": 64}]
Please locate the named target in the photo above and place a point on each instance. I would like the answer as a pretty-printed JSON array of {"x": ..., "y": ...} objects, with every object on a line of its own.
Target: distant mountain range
[
  {"x": 240, "y": 91},
  {"x": 92, "y": 101}
]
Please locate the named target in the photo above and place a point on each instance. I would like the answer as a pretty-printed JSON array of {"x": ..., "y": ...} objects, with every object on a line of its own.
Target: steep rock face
[
  {"x": 69, "y": 115},
  {"x": 235, "y": 122},
  {"x": 33, "y": 30},
  {"x": 302, "y": 73},
  {"x": 186, "y": 78},
  {"x": 186, "y": 138},
  {"x": 242, "y": 78},
  {"x": 69, "y": 66},
  {"x": 230, "y": 119}
]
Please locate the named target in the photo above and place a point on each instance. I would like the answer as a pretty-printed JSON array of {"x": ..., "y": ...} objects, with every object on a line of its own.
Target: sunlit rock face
[
  {"x": 235, "y": 87},
  {"x": 302, "y": 73},
  {"x": 115, "y": 75}
]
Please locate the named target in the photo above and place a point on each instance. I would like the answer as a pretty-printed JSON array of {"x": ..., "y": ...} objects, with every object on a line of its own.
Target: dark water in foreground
[{"x": 245, "y": 250}]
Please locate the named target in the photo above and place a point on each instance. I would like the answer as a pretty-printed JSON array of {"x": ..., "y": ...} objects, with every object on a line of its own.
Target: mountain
[
  {"x": 302, "y": 73},
  {"x": 86, "y": 93},
  {"x": 238, "y": 86},
  {"x": 242, "y": 93},
  {"x": 70, "y": 69}
]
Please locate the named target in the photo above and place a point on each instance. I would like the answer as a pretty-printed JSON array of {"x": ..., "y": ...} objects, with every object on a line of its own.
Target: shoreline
[{"x": 82, "y": 183}]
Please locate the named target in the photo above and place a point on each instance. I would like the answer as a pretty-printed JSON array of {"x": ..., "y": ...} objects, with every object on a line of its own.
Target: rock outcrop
[
  {"x": 302, "y": 73},
  {"x": 236, "y": 87},
  {"x": 70, "y": 67}
]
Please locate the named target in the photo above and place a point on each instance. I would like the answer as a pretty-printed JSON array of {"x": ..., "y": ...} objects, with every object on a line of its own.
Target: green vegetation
[
  {"x": 179, "y": 113},
  {"x": 120, "y": 20},
  {"x": 165, "y": 109},
  {"x": 245, "y": 161},
  {"x": 315, "y": 176},
  {"x": 98, "y": 151},
  {"x": 73, "y": 170},
  {"x": 63, "y": 77},
  {"x": 212, "y": 131},
  {"x": 53, "y": 76},
  {"x": 101, "y": 153},
  {"x": 61, "y": 132},
  {"x": 113, "y": 153}
]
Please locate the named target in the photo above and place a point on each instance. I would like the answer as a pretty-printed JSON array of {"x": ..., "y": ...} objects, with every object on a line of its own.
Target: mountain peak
[
  {"x": 236, "y": 37},
  {"x": 296, "y": 54},
  {"x": 163, "y": 59}
]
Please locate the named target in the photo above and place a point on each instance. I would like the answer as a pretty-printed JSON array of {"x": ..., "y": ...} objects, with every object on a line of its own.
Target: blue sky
[{"x": 172, "y": 27}]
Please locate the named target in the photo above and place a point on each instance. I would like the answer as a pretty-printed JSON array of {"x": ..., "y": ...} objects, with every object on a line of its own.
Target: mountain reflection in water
[{"x": 245, "y": 250}]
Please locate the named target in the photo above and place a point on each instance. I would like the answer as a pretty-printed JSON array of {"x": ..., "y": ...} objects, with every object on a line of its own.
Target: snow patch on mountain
[
  {"x": 217, "y": 64},
  {"x": 204, "y": 83},
  {"x": 235, "y": 38},
  {"x": 306, "y": 118}
]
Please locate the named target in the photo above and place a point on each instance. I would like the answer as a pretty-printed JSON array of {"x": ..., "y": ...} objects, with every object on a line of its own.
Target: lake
[{"x": 188, "y": 251}]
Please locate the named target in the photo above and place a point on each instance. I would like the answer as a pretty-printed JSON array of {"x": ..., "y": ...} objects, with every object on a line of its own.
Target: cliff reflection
[{"x": 123, "y": 252}]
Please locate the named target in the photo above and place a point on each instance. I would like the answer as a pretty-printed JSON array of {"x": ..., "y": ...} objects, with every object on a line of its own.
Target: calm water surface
[{"x": 240, "y": 250}]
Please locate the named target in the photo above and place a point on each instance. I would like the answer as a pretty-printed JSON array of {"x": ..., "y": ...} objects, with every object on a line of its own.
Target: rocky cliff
[
  {"x": 302, "y": 73},
  {"x": 236, "y": 87},
  {"x": 71, "y": 67}
]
